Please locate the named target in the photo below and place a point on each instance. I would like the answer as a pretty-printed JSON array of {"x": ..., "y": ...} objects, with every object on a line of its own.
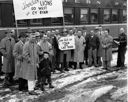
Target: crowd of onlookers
[{"x": 32, "y": 57}]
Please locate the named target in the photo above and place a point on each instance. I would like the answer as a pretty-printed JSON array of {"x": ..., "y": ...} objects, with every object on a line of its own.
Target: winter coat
[
  {"x": 18, "y": 55},
  {"x": 93, "y": 42},
  {"x": 6, "y": 48},
  {"x": 30, "y": 62},
  {"x": 122, "y": 40},
  {"x": 106, "y": 43},
  {"x": 100, "y": 49},
  {"x": 45, "y": 67},
  {"x": 46, "y": 47},
  {"x": 79, "y": 50}
]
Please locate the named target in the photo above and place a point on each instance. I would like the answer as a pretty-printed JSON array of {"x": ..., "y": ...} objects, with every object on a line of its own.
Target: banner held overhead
[{"x": 33, "y": 9}]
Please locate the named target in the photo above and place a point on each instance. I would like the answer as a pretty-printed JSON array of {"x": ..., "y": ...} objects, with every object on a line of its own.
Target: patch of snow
[
  {"x": 120, "y": 92},
  {"x": 74, "y": 78},
  {"x": 100, "y": 92}
]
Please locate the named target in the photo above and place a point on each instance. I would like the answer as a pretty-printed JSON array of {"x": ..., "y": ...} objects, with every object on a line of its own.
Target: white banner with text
[
  {"x": 34, "y": 9},
  {"x": 67, "y": 43}
]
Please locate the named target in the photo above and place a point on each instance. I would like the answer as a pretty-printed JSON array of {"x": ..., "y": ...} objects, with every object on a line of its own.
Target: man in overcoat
[
  {"x": 18, "y": 55},
  {"x": 106, "y": 43},
  {"x": 6, "y": 48},
  {"x": 79, "y": 50},
  {"x": 30, "y": 63}
]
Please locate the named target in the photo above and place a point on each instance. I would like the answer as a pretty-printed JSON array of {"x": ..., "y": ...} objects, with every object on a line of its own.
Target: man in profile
[{"x": 122, "y": 47}]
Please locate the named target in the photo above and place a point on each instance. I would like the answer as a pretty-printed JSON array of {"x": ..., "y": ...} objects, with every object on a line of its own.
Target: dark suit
[
  {"x": 93, "y": 44},
  {"x": 122, "y": 49}
]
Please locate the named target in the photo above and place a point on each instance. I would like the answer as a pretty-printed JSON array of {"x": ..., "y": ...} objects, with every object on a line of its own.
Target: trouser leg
[
  {"x": 105, "y": 64},
  {"x": 31, "y": 85},
  {"x": 6, "y": 81},
  {"x": 123, "y": 57},
  {"x": 75, "y": 65},
  {"x": 43, "y": 80},
  {"x": 108, "y": 64},
  {"x": 90, "y": 56},
  {"x": 99, "y": 61},
  {"x": 22, "y": 84},
  {"x": 80, "y": 65},
  {"x": 49, "y": 80},
  {"x": 95, "y": 56}
]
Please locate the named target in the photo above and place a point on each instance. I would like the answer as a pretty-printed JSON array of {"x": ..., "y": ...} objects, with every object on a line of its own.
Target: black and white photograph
[{"x": 63, "y": 51}]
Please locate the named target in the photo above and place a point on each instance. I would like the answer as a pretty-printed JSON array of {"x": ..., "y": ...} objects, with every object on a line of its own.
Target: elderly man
[
  {"x": 106, "y": 43},
  {"x": 122, "y": 47},
  {"x": 79, "y": 50},
  {"x": 30, "y": 63},
  {"x": 18, "y": 54},
  {"x": 6, "y": 48},
  {"x": 45, "y": 45}
]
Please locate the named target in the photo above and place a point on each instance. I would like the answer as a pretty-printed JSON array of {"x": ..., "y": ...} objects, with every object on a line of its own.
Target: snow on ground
[{"x": 83, "y": 77}]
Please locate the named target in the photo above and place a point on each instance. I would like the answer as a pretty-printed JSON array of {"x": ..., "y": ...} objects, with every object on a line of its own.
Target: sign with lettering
[
  {"x": 66, "y": 43},
  {"x": 33, "y": 9}
]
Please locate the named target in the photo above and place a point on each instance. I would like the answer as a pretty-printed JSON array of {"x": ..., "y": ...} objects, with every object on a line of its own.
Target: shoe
[
  {"x": 46, "y": 83},
  {"x": 23, "y": 90},
  {"x": 96, "y": 65},
  {"x": 66, "y": 69},
  {"x": 32, "y": 93},
  {"x": 51, "y": 86},
  {"x": 89, "y": 65},
  {"x": 5, "y": 86},
  {"x": 42, "y": 89}
]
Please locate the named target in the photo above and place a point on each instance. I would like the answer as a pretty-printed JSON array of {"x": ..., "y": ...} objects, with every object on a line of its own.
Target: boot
[
  {"x": 80, "y": 65},
  {"x": 75, "y": 65},
  {"x": 51, "y": 86}
]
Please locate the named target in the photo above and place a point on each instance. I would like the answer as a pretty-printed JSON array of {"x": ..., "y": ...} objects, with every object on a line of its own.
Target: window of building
[
  {"x": 35, "y": 21},
  {"x": 68, "y": 15},
  {"x": 106, "y": 16},
  {"x": 0, "y": 18},
  {"x": 22, "y": 22},
  {"x": 72, "y": 1},
  {"x": 115, "y": 16},
  {"x": 124, "y": 16},
  {"x": 56, "y": 21},
  {"x": 84, "y": 16},
  {"x": 94, "y": 15},
  {"x": 77, "y": 1}
]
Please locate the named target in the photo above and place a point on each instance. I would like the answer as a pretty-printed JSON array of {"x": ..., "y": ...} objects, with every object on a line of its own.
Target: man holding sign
[{"x": 66, "y": 43}]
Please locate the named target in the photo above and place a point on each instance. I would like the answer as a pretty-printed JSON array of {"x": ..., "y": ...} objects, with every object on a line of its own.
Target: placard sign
[
  {"x": 67, "y": 43},
  {"x": 33, "y": 9}
]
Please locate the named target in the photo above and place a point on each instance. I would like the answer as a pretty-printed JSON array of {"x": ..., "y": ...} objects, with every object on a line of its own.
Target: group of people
[{"x": 36, "y": 54}]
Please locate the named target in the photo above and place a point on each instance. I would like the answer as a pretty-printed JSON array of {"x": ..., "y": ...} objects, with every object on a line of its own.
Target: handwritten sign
[
  {"x": 33, "y": 9},
  {"x": 67, "y": 43}
]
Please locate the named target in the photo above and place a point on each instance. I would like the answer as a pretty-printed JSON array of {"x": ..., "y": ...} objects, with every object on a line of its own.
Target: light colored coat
[
  {"x": 100, "y": 49},
  {"x": 107, "y": 48},
  {"x": 79, "y": 50},
  {"x": 46, "y": 47},
  {"x": 6, "y": 48},
  {"x": 30, "y": 62},
  {"x": 18, "y": 55}
]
